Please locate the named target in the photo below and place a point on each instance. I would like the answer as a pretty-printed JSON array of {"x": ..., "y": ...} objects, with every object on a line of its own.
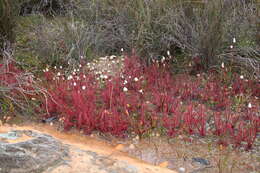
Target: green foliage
[
  {"x": 207, "y": 31},
  {"x": 151, "y": 28},
  {"x": 7, "y": 22}
]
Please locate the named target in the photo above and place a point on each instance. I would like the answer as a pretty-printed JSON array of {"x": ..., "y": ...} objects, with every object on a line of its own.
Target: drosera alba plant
[
  {"x": 113, "y": 121},
  {"x": 73, "y": 98},
  {"x": 142, "y": 99},
  {"x": 18, "y": 88}
]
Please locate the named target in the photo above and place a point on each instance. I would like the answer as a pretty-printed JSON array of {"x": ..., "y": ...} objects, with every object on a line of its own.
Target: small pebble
[
  {"x": 181, "y": 169},
  {"x": 131, "y": 146}
]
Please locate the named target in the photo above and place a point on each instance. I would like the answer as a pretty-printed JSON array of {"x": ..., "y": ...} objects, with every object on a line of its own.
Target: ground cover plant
[{"x": 144, "y": 99}]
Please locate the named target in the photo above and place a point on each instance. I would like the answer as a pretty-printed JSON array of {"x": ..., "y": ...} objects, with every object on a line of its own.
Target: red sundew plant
[
  {"x": 224, "y": 123},
  {"x": 239, "y": 87},
  {"x": 8, "y": 73},
  {"x": 17, "y": 87},
  {"x": 201, "y": 120},
  {"x": 144, "y": 120},
  {"x": 143, "y": 98},
  {"x": 113, "y": 121},
  {"x": 246, "y": 133},
  {"x": 74, "y": 100},
  {"x": 255, "y": 88},
  {"x": 172, "y": 121}
]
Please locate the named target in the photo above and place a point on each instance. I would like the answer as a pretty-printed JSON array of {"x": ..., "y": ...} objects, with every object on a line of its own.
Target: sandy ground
[{"x": 88, "y": 155}]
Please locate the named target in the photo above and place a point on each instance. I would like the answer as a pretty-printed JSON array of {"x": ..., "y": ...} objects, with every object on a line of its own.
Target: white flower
[
  {"x": 60, "y": 67},
  {"x": 84, "y": 76},
  {"x": 122, "y": 50},
  {"x": 222, "y": 65},
  {"x": 58, "y": 74},
  {"x": 125, "y": 89},
  {"x": 33, "y": 98},
  {"x": 234, "y": 40},
  {"x": 105, "y": 76},
  {"x": 83, "y": 87},
  {"x": 112, "y": 57},
  {"x": 231, "y": 46},
  {"x": 55, "y": 67},
  {"x": 103, "y": 58},
  {"x": 77, "y": 69},
  {"x": 73, "y": 73},
  {"x": 74, "y": 70},
  {"x": 135, "y": 79},
  {"x": 129, "y": 77},
  {"x": 168, "y": 53},
  {"x": 141, "y": 91},
  {"x": 81, "y": 57},
  {"x": 249, "y": 105},
  {"x": 44, "y": 70},
  {"x": 80, "y": 65},
  {"x": 88, "y": 64},
  {"x": 69, "y": 77},
  {"x": 125, "y": 82},
  {"x": 241, "y": 77},
  {"x": 47, "y": 69},
  {"x": 163, "y": 59},
  {"x": 74, "y": 83}
]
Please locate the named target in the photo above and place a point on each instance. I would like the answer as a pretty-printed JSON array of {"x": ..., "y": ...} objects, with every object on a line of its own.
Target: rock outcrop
[{"x": 31, "y": 156}]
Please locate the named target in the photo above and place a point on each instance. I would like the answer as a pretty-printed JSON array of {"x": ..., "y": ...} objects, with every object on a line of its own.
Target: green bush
[
  {"x": 186, "y": 29},
  {"x": 7, "y": 23},
  {"x": 208, "y": 31},
  {"x": 98, "y": 28}
]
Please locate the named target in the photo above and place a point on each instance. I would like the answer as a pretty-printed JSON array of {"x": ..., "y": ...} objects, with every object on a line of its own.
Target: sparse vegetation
[{"x": 169, "y": 68}]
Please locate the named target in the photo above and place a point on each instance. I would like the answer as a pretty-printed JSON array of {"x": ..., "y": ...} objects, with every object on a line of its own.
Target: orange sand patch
[{"x": 83, "y": 142}]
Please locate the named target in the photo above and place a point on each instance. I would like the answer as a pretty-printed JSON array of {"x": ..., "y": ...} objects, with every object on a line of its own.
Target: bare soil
[{"x": 154, "y": 154}]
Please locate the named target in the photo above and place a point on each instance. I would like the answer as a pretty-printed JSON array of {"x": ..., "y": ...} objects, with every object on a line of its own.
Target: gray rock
[
  {"x": 31, "y": 156},
  {"x": 201, "y": 161}
]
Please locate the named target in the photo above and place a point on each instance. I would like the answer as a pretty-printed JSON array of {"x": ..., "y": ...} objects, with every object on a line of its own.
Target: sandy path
[{"x": 88, "y": 155}]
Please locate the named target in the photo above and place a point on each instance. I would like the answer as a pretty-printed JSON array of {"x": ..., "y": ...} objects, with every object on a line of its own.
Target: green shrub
[
  {"x": 208, "y": 31},
  {"x": 103, "y": 27},
  {"x": 98, "y": 28},
  {"x": 7, "y": 23}
]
